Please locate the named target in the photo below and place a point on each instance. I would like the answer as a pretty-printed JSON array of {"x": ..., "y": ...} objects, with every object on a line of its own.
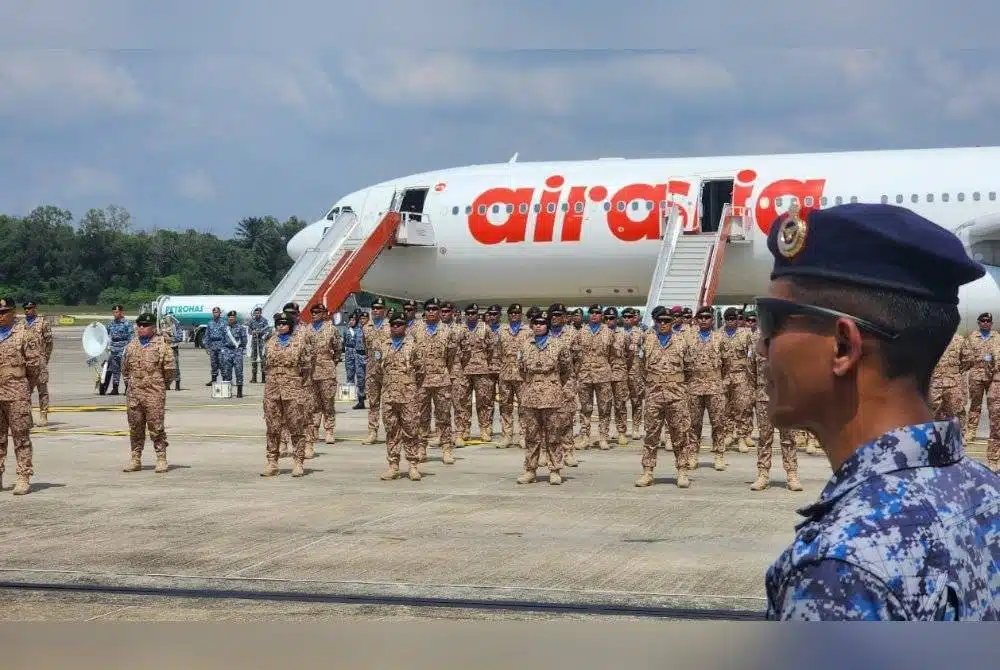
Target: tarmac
[{"x": 211, "y": 540}]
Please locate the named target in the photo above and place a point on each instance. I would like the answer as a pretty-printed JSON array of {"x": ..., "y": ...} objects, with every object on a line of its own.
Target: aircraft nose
[{"x": 298, "y": 244}]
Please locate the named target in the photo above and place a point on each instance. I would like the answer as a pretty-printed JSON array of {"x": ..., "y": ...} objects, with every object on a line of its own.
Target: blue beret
[{"x": 882, "y": 246}]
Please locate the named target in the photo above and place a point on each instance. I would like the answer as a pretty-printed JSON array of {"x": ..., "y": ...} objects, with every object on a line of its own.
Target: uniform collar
[{"x": 932, "y": 444}]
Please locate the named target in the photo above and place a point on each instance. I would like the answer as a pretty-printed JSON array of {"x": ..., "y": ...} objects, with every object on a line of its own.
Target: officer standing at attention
[
  {"x": 173, "y": 335},
  {"x": 350, "y": 340},
  {"x": 21, "y": 357},
  {"x": 396, "y": 368},
  {"x": 212, "y": 341},
  {"x": 259, "y": 330},
  {"x": 121, "y": 332},
  {"x": 862, "y": 303},
  {"x": 289, "y": 365},
  {"x": 40, "y": 326},
  {"x": 148, "y": 368},
  {"x": 234, "y": 348}
]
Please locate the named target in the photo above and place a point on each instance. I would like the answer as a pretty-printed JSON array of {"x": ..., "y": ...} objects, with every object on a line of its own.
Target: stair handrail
[
  {"x": 668, "y": 245},
  {"x": 717, "y": 256}
]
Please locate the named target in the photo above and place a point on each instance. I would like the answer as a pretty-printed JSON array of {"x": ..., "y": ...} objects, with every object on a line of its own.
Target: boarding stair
[{"x": 688, "y": 264}]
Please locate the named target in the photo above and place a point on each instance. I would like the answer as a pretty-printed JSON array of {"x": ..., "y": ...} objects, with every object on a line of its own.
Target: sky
[{"x": 197, "y": 116}]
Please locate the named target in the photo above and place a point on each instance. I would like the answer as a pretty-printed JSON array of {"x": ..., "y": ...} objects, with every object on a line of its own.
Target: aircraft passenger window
[
  {"x": 930, "y": 197},
  {"x": 899, "y": 198},
  {"x": 538, "y": 208},
  {"x": 944, "y": 197},
  {"x": 823, "y": 201},
  {"x": 482, "y": 209},
  {"x": 914, "y": 198},
  {"x": 993, "y": 195},
  {"x": 523, "y": 208},
  {"x": 621, "y": 206},
  {"x": 885, "y": 198},
  {"x": 468, "y": 209},
  {"x": 635, "y": 205},
  {"x": 649, "y": 205},
  {"x": 454, "y": 211},
  {"x": 551, "y": 208},
  {"x": 565, "y": 207},
  {"x": 777, "y": 202},
  {"x": 579, "y": 208},
  {"x": 975, "y": 196},
  {"x": 496, "y": 209},
  {"x": 808, "y": 201},
  {"x": 510, "y": 209},
  {"x": 854, "y": 199},
  {"x": 839, "y": 200},
  {"x": 961, "y": 197},
  {"x": 607, "y": 206},
  {"x": 663, "y": 205}
]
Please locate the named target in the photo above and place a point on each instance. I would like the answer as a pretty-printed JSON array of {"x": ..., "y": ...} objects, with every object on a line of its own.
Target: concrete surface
[{"x": 341, "y": 543}]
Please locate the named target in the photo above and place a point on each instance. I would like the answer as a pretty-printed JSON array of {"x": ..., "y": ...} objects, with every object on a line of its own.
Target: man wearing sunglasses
[
  {"x": 863, "y": 301},
  {"x": 978, "y": 359}
]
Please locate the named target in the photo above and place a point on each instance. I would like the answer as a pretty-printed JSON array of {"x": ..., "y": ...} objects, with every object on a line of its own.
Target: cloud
[
  {"x": 90, "y": 182},
  {"x": 195, "y": 185}
]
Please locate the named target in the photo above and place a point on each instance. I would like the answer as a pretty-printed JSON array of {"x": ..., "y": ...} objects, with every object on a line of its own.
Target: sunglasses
[{"x": 773, "y": 314}]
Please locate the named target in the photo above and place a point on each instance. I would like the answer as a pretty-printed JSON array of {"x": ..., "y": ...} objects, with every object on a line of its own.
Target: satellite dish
[{"x": 95, "y": 340}]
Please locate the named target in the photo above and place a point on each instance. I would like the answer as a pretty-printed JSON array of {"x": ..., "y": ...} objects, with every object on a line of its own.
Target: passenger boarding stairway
[
  {"x": 688, "y": 265},
  {"x": 332, "y": 270}
]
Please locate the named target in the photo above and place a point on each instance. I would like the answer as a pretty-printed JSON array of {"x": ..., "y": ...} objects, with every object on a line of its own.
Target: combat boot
[
  {"x": 422, "y": 453},
  {"x": 742, "y": 446},
  {"x": 555, "y": 478},
  {"x": 328, "y": 437},
  {"x": 253, "y": 374},
  {"x": 692, "y": 461},
  {"x": 43, "y": 419},
  {"x": 459, "y": 442},
  {"x": 372, "y": 434},
  {"x": 720, "y": 462},
  {"x": 682, "y": 479},
  {"x": 263, "y": 376},
  {"x": 297, "y": 469},
  {"x": 603, "y": 444},
  {"x": 415, "y": 475},
  {"x": 114, "y": 389},
  {"x": 310, "y": 451},
  {"x": 646, "y": 478},
  {"x": 486, "y": 435},
  {"x": 504, "y": 441},
  {"x": 161, "y": 463},
  {"x": 793, "y": 483},
  {"x": 527, "y": 477},
  {"x": 271, "y": 469},
  {"x": 360, "y": 404},
  {"x": 239, "y": 390},
  {"x": 22, "y": 485},
  {"x": 446, "y": 456},
  {"x": 622, "y": 440},
  {"x": 177, "y": 385},
  {"x": 569, "y": 460},
  {"x": 391, "y": 473},
  {"x": 763, "y": 479},
  {"x": 135, "y": 465}
]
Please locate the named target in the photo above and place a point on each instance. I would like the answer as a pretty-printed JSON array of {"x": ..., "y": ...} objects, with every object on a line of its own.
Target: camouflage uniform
[
  {"x": 328, "y": 354},
  {"x": 213, "y": 341},
  {"x": 665, "y": 362},
  {"x": 508, "y": 346},
  {"x": 436, "y": 348},
  {"x": 735, "y": 354},
  {"x": 597, "y": 346},
  {"x": 259, "y": 330},
  {"x": 288, "y": 364},
  {"x": 570, "y": 337},
  {"x": 396, "y": 366},
  {"x": 621, "y": 349},
  {"x": 546, "y": 366},
  {"x": 173, "y": 335},
  {"x": 148, "y": 369},
  {"x": 904, "y": 530},
  {"x": 372, "y": 334},
  {"x": 948, "y": 387},
  {"x": 636, "y": 382},
  {"x": 21, "y": 356},
  {"x": 975, "y": 356},
  {"x": 477, "y": 346},
  {"x": 493, "y": 322},
  {"x": 121, "y": 333},
  {"x": 43, "y": 331},
  {"x": 789, "y": 457},
  {"x": 304, "y": 334},
  {"x": 231, "y": 354},
  {"x": 705, "y": 390}
]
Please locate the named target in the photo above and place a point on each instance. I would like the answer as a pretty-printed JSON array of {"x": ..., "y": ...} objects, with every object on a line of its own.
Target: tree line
[{"x": 100, "y": 260}]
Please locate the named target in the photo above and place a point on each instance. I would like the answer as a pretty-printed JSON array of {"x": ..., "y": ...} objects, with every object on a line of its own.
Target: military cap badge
[{"x": 792, "y": 233}]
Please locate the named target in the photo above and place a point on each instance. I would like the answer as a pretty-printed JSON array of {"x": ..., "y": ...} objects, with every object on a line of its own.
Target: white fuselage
[{"x": 497, "y": 241}]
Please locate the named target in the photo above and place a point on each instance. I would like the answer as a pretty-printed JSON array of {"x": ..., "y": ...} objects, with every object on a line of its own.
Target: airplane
[{"x": 592, "y": 231}]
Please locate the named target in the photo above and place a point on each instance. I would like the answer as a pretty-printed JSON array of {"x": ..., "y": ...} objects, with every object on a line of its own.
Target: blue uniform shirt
[{"x": 907, "y": 529}]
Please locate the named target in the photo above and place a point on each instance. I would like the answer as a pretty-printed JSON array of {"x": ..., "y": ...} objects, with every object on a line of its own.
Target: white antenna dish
[
  {"x": 95, "y": 340},
  {"x": 513, "y": 159}
]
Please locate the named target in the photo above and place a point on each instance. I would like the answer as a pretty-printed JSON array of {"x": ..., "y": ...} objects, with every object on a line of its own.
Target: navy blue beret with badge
[
  {"x": 882, "y": 246},
  {"x": 145, "y": 319}
]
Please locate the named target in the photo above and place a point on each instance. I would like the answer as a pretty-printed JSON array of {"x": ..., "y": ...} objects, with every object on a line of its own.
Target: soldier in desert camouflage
[
  {"x": 512, "y": 335},
  {"x": 148, "y": 370},
  {"x": 21, "y": 356},
  {"x": 595, "y": 378},
  {"x": 666, "y": 356},
  {"x": 42, "y": 330},
  {"x": 476, "y": 348},
  {"x": 328, "y": 351},
  {"x": 633, "y": 370},
  {"x": 705, "y": 388},
  {"x": 436, "y": 348},
  {"x": 398, "y": 370},
  {"x": 546, "y": 367},
  {"x": 371, "y": 335},
  {"x": 948, "y": 388},
  {"x": 735, "y": 344},
  {"x": 558, "y": 317},
  {"x": 493, "y": 313},
  {"x": 977, "y": 359},
  {"x": 621, "y": 349},
  {"x": 288, "y": 365}
]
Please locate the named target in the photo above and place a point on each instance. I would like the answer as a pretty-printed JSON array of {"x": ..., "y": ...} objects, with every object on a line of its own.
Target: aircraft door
[{"x": 715, "y": 195}]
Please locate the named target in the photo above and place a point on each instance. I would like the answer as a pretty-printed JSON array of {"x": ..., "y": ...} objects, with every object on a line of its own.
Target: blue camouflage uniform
[
  {"x": 260, "y": 329},
  {"x": 215, "y": 336},
  {"x": 234, "y": 348},
  {"x": 121, "y": 333},
  {"x": 908, "y": 526},
  {"x": 350, "y": 356}
]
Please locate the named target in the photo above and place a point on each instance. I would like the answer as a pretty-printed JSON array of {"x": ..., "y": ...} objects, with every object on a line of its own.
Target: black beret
[
  {"x": 882, "y": 246},
  {"x": 688, "y": 311},
  {"x": 594, "y": 309},
  {"x": 283, "y": 319},
  {"x": 28, "y": 304},
  {"x": 448, "y": 305},
  {"x": 396, "y": 318},
  {"x": 145, "y": 319},
  {"x": 378, "y": 304},
  {"x": 232, "y": 312},
  {"x": 472, "y": 308},
  {"x": 707, "y": 309},
  {"x": 410, "y": 304},
  {"x": 513, "y": 307},
  {"x": 533, "y": 310},
  {"x": 432, "y": 302},
  {"x": 6, "y": 304},
  {"x": 540, "y": 317},
  {"x": 494, "y": 309},
  {"x": 730, "y": 313},
  {"x": 659, "y": 309},
  {"x": 750, "y": 314},
  {"x": 556, "y": 308},
  {"x": 290, "y": 307},
  {"x": 611, "y": 311}
]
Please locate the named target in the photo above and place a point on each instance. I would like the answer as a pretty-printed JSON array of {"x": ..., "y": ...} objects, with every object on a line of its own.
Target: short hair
[{"x": 925, "y": 327}]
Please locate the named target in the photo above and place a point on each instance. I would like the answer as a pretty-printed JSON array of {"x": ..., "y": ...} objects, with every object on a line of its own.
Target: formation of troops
[{"x": 422, "y": 378}]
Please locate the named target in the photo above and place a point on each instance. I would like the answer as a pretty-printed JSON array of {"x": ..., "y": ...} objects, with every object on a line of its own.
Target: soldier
[
  {"x": 232, "y": 351},
  {"x": 448, "y": 321},
  {"x": 42, "y": 330},
  {"x": 372, "y": 334},
  {"x": 493, "y": 323},
  {"x": 512, "y": 336},
  {"x": 148, "y": 368},
  {"x": 213, "y": 341},
  {"x": 665, "y": 356},
  {"x": 350, "y": 342},
  {"x": 596, "y": 342},
  {"x": 396, "y": 366},
  {"x": 305, "y": 335},
  {"x": 789, "y": 456},
  {"x": 410, "y": 314},
  {"x": 705, "y": 388},
  {"x": 571, "y": 338},
  {"x": 172, "y": 333},
  {"x": 546, "y": 366},
  {"x": 577, "y": 320},
  {"x": 477, "y": 347},
  {"x": 21, "y": 357},
  {"x": 862, "y": 303},
  {"x": 621, "y": 353},
  {"x": 260, "y": 330},
  {"x": 436, "y": 348},
  {"x": 288, "y": 365},
  {"x": 328, "y": 353},
  {"x": 948, "y": 388},
  {"x": 121, "y": 332},
  {"x": 633, "y": 370},
  {"x": 735, "y": 345},
  {"x": 361, "y": 359},
  {"x": 977, "y": 360}
]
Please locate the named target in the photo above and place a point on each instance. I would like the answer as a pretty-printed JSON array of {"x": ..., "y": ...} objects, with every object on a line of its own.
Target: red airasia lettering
[
  {"x": 647, "y": 228},
  {"x": 764, "y": 210},
  {"x": 545, "y": 220},
  {"x": 743, "y": 187},
  {"x": 516, "y": 225}
]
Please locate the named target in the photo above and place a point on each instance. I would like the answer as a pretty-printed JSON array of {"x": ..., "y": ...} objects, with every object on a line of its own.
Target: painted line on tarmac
[{"x": 122, "y": 408}]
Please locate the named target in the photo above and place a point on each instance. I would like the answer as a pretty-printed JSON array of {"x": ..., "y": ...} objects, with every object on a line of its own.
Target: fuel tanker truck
[{"x": 193, "y": 312}]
